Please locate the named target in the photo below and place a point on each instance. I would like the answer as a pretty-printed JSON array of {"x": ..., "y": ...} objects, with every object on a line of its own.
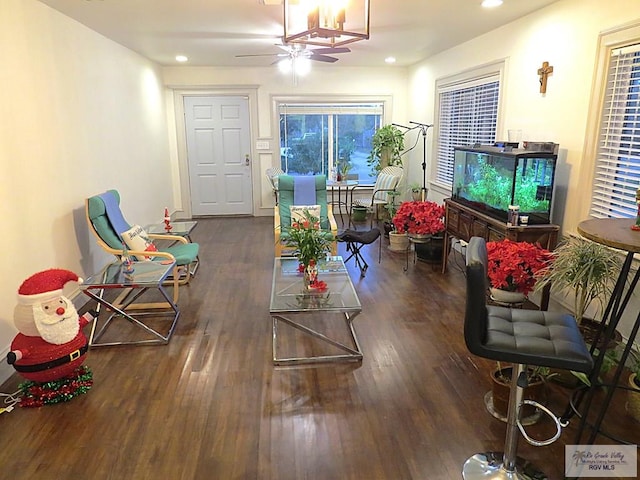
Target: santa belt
[{"x": 52, "y": 363}]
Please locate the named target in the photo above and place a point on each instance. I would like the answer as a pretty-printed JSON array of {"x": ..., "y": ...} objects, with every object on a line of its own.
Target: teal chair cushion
[{"x": 286, "y": 195}]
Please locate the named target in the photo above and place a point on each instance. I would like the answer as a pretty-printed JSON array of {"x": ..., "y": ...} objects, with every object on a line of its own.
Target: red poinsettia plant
[
  {"x": 512, "y": 265},
  {"x": 419, "y": 218}
]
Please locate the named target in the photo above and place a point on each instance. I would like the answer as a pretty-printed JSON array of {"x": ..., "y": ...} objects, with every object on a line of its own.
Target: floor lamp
[{"x": 424, "y": 128}]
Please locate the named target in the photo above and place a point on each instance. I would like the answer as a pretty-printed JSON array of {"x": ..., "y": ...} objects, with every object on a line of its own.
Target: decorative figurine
[
  {"x": 636, "y": 227},
  {"x": 127, "y": 263},
  {"x": 167, "y": 220},
  {"x": 51, "y": 347}
]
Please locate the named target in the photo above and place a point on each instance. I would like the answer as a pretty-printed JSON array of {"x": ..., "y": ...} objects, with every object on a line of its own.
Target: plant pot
[
  {"x": 431, "y": 252},
  {"x": 633, "y": 397},
  {"x": 359, "y": 214},
  {"x": 398, "y": 242},
  {"x": 504, "y": 296},
  {"x": 589, "y": 329},
  {"x": 501, "y": 382}
]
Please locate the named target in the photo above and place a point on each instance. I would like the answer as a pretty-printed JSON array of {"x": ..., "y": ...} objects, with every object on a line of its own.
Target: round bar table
[{"x": 615, "y": 233}]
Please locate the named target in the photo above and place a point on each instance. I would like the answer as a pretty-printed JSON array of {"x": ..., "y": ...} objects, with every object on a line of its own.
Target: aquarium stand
[{"x": 463, "y": 222}]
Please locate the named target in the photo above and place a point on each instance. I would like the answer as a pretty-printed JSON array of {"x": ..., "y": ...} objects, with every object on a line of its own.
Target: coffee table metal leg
[{"x": 352, "y": 354}]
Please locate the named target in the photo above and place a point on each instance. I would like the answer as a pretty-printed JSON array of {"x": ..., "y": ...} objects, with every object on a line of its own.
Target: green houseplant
[
  {"x": 582, "y": 269},
  {"x": 386, "y": 145},
  {"x": 586, "y": 272}
]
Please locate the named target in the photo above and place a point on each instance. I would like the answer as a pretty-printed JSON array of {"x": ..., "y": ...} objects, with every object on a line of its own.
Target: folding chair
[{"x": 355, "y": 240}]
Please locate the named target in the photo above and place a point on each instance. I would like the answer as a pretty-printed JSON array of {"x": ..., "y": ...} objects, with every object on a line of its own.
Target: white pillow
[
  {"x": 297, "y": 212},
  {"x": 137, "y": 239}
]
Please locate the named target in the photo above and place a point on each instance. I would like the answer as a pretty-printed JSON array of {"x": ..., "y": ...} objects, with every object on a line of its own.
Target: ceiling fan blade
[
  {"x": 323, "y": 58},
  {"x": 331, "y": 50},
  {"x": 264, "y": 55}
]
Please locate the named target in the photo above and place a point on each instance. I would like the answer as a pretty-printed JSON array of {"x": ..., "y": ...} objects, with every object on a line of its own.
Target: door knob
[{"x": 246, "y": 159}]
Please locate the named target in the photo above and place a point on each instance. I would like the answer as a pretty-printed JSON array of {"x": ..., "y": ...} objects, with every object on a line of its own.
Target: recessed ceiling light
[
  {"x": 491, "y": 3},
  {"x": 390, "y": 60},
  {"x": 181, "y": 58}
]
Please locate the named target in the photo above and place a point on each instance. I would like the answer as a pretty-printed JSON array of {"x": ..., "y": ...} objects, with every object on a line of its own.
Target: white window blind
[
  {"x": 468, "y": 114},
  {"x": 617, "y": 170}
]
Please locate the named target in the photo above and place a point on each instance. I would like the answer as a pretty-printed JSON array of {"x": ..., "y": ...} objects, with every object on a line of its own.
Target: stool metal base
[{"x": 488, "y": 466}]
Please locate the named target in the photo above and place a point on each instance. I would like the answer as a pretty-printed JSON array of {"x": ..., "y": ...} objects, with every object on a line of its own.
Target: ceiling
[{"x": 213, "y": 32}]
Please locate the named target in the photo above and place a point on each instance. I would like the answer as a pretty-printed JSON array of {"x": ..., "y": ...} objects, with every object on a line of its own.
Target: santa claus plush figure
[{"x": 50, "y": 346}]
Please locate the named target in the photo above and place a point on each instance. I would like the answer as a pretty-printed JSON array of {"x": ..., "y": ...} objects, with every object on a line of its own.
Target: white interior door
[{"x": 218, "y": 151}]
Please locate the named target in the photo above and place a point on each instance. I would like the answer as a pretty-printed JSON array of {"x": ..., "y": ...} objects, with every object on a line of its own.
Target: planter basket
[
  {"x": 359, "y": 214},
  {"x": 398, "y": 242}
]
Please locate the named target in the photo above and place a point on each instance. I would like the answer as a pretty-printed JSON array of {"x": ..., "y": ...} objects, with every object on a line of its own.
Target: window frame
[
  {"x": 608, "y": 42},
  {"x": 480, "y": 75},
  {"x": 325, "y": 100}
]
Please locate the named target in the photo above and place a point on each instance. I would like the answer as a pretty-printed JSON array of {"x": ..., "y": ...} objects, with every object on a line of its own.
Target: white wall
[
  {"x": 566, "y": 35},
  {"x": 78, "y": 114},
  {"x": 323, "y": 81}
]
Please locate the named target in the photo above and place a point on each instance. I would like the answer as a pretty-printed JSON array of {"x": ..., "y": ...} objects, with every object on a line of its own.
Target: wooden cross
[{"x": 544, "y": 72}]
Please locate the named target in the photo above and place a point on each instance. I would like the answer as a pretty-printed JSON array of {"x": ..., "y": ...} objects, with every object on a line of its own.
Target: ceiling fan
[{"x": 300, "y": 51}]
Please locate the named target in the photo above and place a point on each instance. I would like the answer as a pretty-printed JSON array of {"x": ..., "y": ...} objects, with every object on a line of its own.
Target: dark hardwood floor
[{"x": 210, "y": 404}]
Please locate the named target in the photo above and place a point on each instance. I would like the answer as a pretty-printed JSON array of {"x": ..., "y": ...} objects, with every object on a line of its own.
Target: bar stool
[{"x": 521, "y": 337}]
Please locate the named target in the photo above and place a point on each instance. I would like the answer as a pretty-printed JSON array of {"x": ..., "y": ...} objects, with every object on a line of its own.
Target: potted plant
[
  {"x": 311, "y": 245},
  {"x": 416, "y": 192},
  {"x": 386, "y": 145},
  {"x": 512, "y": 268},
  {"x": 586, "y": 271},
  {"x": 633, "y": 394},
  {"x": 498, "y": 402},
  {"x": 419, "y": 218}
]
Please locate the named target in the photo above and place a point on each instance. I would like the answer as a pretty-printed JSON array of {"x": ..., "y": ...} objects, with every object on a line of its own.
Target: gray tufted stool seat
[{"x": 521, "y": 337}]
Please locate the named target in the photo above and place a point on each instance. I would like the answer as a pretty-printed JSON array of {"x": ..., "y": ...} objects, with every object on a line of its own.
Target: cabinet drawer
[
  {"x": 465, "y": 226},
  {"x": 480, "y": 229},
  {"x": 495, "y": 235}
]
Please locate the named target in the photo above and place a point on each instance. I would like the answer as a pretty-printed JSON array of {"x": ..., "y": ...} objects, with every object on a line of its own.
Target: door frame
[{"x": 182, "y": 190}]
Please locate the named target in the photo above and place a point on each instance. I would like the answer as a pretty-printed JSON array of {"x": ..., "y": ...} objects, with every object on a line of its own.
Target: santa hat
[{"x": 45, "y": 285}]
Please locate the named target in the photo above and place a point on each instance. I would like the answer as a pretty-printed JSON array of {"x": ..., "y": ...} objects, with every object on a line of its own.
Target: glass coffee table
[
  {"x": 128, "y": 289},
  {"x": 293, "y": 305}
]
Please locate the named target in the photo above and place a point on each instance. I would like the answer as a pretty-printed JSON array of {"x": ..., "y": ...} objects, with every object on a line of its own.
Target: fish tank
[{"x": 491, "y": 178}]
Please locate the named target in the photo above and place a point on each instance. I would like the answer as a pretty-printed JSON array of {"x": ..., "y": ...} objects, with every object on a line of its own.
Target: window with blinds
[
  {"x": 467, "y": 114},
  {"x": 617, "y": 169}
]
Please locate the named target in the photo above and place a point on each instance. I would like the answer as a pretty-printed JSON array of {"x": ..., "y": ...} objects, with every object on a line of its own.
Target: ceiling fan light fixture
[
  {"x": 326, "y": 23},
  {"x": 491, "y": 3},
  {"x": 302, "y": 66},
  {"x": 285, "y": 65}
]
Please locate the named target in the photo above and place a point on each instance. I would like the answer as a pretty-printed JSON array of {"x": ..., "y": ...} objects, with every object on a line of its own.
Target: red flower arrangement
[
  {"x": 420, "y": 218},
  {"x": 512, "y": 265}
]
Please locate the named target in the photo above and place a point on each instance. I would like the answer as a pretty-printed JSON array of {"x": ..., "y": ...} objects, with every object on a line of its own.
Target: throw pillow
[
  {"x": 297, "y": 212},
  {"x": 137, "y": 239}
]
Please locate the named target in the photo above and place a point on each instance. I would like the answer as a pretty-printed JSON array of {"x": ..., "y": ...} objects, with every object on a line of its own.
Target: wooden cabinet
[{"x": 464, "y": 222}]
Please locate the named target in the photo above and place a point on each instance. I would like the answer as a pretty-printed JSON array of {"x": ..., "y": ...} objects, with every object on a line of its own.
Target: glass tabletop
[
  {"x": 183, "y": 228},
  {"x": 145, "y": 274},
  {"x": 288, "y": 293},
  {"x": 342, "y": 183}
]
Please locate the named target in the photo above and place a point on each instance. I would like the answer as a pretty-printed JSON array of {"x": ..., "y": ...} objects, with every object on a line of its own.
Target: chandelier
[{"x": 326, "y": 23}]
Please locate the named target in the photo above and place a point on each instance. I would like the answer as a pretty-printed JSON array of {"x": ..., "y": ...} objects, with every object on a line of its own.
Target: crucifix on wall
[{"x": 544, "y": 72}]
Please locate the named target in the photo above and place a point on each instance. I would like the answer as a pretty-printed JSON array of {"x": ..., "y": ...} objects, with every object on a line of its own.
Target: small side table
[
  {"x": 348, "y": 186},
  {"x": 147, "y": 276},
  {"x": 615, "y": 233},
  {"x": 179, "y": 229},
  {"x": 413, "y": 240}
]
